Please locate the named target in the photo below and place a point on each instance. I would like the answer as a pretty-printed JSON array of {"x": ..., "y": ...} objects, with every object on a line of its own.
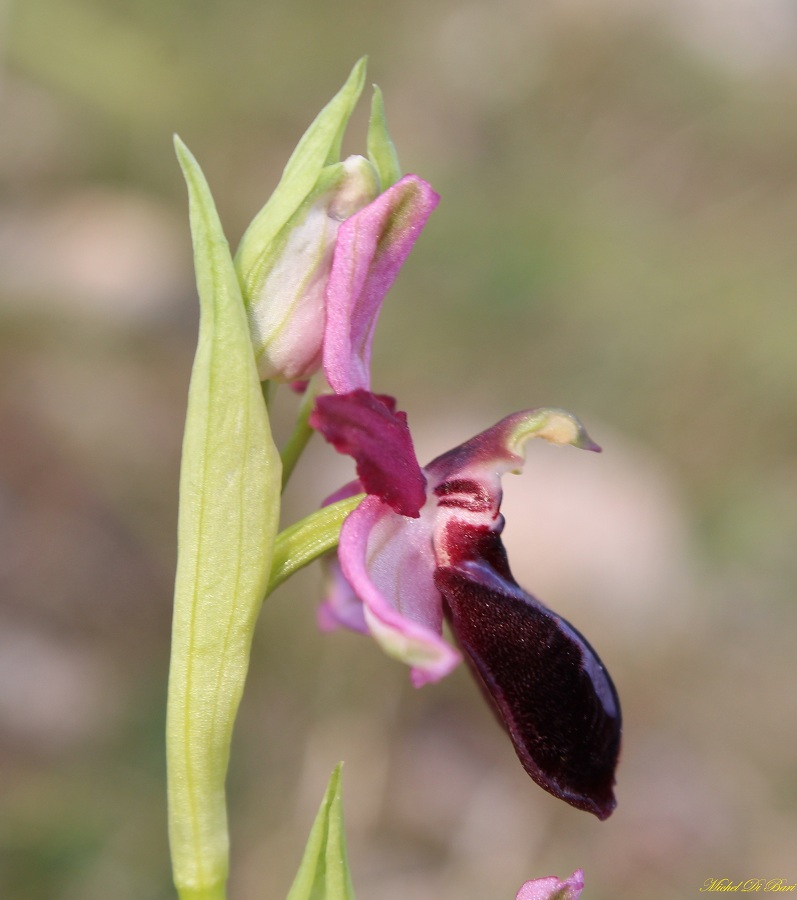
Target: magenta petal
[
  {"x": 388, "y": 561},
  {"x": 370, "y": 249},
  {"x": 551, "y": 888},
  {"x": 548, "y": 685},
  {"x": 369, "y": 428}
]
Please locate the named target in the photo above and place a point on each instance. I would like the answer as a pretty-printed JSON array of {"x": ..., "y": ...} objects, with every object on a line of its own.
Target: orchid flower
[
  {"x": 320, "y": 298},
  {"x": 319, "y": 257},
  {"x": 426, "y": 545},
  {"x": 551, "y": 888},
  {"x": 286, "y": 309}
]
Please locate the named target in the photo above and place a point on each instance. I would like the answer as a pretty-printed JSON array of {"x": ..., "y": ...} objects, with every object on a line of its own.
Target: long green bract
[
  {"x": 229, "y": 510},
  {"x": 318, "y": 148}
]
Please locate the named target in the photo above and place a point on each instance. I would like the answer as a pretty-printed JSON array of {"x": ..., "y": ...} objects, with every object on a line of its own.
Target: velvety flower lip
[
  {"x": 370, "y": 249},
  {"x": 545, "y": 682},
  {"x": 547, "y": 685},
  {"x": 551, "y": 888}
]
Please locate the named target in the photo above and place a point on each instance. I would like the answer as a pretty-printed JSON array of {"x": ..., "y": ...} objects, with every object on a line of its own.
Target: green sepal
[
  {"x": 328, "y": 179},
  {"x": 229, "y": 511},
  {"x": 557, "y": 426},
  {"x": 324, "y": 871},
  {"x": 319, "y": 147},
  {"x": 381, "y": 149},
  {"x": 311, "y": 537}
]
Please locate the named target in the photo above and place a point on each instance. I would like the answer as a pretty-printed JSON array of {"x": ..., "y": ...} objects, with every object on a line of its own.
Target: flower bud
[{"x": 286, "y": 303}]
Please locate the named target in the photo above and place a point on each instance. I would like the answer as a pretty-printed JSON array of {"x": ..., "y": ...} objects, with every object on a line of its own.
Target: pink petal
[
  {"x": 369, "y": 428},
  {"x": 389, "y": 563},
  {"x": 341, "y": 606},
  {"x": 552, "y": 889},
  {"x": 370, "y": 249}
]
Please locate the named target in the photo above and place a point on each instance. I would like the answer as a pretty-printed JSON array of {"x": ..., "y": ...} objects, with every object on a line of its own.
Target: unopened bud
[{"x": 286, "y": 306}]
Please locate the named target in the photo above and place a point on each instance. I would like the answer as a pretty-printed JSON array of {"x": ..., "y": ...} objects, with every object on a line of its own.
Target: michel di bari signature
[{"x": 764, "y": 885}]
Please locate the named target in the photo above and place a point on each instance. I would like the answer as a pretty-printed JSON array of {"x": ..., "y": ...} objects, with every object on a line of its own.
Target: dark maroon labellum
[{"x": 547, "y": 684}]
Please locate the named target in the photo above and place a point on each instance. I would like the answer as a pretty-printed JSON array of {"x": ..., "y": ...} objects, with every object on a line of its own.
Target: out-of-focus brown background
[{"x": 616, "y": 236}]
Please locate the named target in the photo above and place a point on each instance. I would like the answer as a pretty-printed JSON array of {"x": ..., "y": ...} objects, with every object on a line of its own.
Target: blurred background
[{"x": 616, "y": 236}]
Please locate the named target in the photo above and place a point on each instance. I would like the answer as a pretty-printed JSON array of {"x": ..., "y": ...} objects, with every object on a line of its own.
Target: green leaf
[
  {"x": 318, "y": 148},
  {"x": 229, "y": 510},
  {"x": 324, "y": 870},
  {"x": 381, "y": 150}
]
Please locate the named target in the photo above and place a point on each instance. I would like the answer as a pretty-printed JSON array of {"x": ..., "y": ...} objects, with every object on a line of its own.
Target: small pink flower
[{"x": 552, "y": 889}]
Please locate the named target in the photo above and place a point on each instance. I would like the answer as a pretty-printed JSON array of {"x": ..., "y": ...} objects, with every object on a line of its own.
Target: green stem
[
  {"x": 306, "y": 540},
  {"x": 212, "y": 892},
  {"x": 302, "y": 432},
  {"x": 267, "y": 389}
]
